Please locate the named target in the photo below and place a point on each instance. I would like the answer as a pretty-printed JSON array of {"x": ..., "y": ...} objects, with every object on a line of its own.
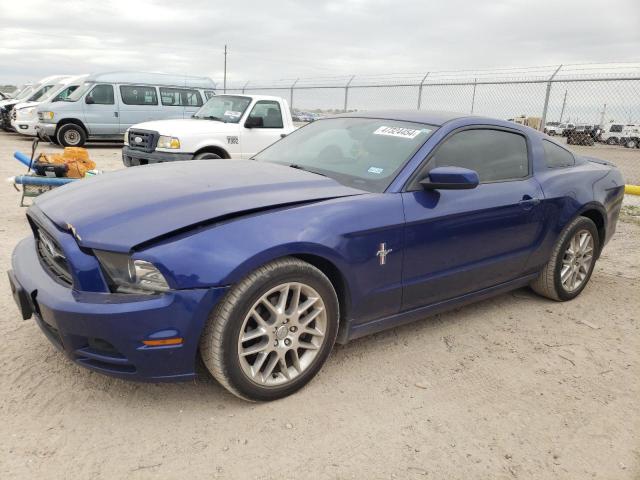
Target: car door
[
  {"x": 138, "y": 103},
  {"x": 101, "y": 112},
  {"x": 269, "y": 115},
  {"x": 462, "y": 241}
]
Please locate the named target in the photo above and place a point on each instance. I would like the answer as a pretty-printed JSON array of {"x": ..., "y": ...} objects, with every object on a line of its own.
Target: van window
[
  {"x": 615, "y": 128},
  {"x": 209, "y": 93},
  {"x": 64, "y": 94},
  {"x": 556, "y": 156},
  {"x": 270, "y": 113},
  {"x": 495, "y": 155},
  {"x": 179, "y": 97},
  {"x": 138, "y": 95},
  {"x": 102, "y": 95}
]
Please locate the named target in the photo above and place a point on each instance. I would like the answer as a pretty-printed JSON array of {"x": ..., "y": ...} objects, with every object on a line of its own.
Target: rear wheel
[
  {"x": 273, "y": 331},
  {"x": 71, "y": 135},
  {"x": 612, "y": 141},
  {"x": 572, "y": 261},
  {"x": 631, "y": 143}
]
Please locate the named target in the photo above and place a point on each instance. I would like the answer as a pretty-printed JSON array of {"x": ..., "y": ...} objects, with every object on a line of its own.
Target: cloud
[{"x": 304, "y": 38}]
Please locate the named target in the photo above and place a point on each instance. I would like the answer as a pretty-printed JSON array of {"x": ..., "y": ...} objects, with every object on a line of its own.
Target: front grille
[
  {"x": 53, "y": 258},
  {"x": 143, "y": 140},
  {"x": 13, "y": 114}
]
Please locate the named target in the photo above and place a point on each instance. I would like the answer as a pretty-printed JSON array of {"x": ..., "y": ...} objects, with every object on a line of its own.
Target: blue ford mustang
[{"x": 348, "y": 226}]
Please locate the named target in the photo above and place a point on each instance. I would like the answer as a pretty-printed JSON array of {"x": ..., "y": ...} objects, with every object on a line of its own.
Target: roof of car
[{"x": 430, "y": 117}]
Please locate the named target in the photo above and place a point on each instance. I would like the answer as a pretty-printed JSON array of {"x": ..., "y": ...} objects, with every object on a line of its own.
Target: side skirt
[{"x": 374, "y": 326}]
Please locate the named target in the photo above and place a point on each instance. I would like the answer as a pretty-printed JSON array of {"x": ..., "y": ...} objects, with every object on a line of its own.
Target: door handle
[
  {"x": 528, "y": 202},
  {"x": 115, "y": 114}
]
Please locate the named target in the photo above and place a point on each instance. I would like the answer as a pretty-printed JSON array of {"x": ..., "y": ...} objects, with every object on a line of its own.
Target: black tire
[
  {"x": 551, "y": 133},
  {"x": 71, "y": 135},
  {"x": 612, "y": 141},
  {"x": 631, "y": 143},
  {"x": 219, "y": 341},
  {"x": 548, "y": 284},
  {"x": 207, "y": 156}
]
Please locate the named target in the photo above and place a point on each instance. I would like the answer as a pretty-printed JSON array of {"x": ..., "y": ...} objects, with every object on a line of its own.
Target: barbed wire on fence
[{"x": 578, "y": 93}]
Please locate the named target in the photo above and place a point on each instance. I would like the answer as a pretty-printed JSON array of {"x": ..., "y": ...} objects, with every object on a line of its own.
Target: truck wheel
[
  {"x": 631, "y": 143},
  {"x": 551, "y": 133},
  {"x": 612, "y": 141},
  {"x": 207, "y": 156},
  {"x": 571, "y": 263},
  {"x": 71, "y": 135},
  {"x": 273, "y": 331}
]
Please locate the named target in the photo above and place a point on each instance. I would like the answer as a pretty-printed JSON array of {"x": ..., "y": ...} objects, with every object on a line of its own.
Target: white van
[
  {"x": 31, "y": 94},
  {"x": 106, "y": 104},
  {"x": 24, "y": 116},
  {"x": 613, "y": 132}
]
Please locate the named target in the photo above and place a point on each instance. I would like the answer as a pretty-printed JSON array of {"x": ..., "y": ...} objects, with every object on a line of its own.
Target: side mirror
[
  {"x": 254, "y": 122},
  {"x": 450, "y": 178},
  {"x": 89, "y": 100}
]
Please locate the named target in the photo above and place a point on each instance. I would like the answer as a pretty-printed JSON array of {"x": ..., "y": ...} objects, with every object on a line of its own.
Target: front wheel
[
  {"x": 273, "y": 331},
  {"x": 631, "y": 143},
  {"x": 572, "y": 261},
  {"x": 207, "y": 156},
  {"x": 71, "y": 135}
]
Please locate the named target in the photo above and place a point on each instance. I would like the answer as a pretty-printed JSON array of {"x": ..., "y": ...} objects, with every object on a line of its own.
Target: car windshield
[
  {"x": 365, "y": 153},
  {"x": 40, "y": 93},
  {"x": 79, "y": 92},
  {"x": 225, "y": 108}
]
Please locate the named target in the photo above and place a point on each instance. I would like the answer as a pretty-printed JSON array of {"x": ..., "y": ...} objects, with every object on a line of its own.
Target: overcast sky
[{"x": 289, "y": 39}]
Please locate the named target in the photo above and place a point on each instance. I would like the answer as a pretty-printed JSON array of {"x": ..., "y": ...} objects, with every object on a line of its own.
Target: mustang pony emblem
[{"x": 383, "y": 252}]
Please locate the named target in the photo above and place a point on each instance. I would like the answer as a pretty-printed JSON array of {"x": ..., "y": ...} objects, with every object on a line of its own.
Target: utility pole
[
  {"x": 564, "y": 102},
  {"x": 602, "y": 114},
  {"x": 224, "y": 88}
]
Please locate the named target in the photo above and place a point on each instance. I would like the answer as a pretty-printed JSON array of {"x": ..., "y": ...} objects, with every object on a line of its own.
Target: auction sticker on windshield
[
  {"x": 231, "y": 113},
  {"x": 398, "y": 132}
]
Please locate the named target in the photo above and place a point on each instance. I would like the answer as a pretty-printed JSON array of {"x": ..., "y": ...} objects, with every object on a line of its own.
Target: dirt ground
[{"x": 512, "y": 387}]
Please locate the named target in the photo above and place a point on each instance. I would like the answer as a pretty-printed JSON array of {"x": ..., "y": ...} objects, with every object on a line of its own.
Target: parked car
[
  {"x": 552, "y": 128},
  {"x": 348, "y": 226},
  {"x": 108, "y": 103},
  {"x": 632, "y": 139},
  {"x": 613, "y": 133},
  {"x": 24, "y": 117},
  {"x": 566, "y": 128},
  {"x": 31, "y": 94},
  {"x": 227, "y": 126},
  {"x": 581, "y": 135}
]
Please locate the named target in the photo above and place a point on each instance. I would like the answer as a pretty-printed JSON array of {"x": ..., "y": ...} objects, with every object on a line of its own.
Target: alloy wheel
[
  {"x": 282, "y": 334},
  {"x": 577, "y": 261}
]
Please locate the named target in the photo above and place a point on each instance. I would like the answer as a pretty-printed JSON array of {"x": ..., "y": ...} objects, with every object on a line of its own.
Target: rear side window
[
  {"x": 101, "y": 95},
  {"x": 495, "y": 155},
  {"x": 179, "y": 97},
  {"x": 138, "y": 95},
  {"x": 615, "y": 128},
  {"x": 556, "y": 156}
]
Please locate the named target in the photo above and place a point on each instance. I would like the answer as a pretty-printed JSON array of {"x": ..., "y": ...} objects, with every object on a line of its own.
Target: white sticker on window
[
  {"x": 375, "y": 170},
  {"x": 231, "y": 113},
  {"x": 397, "y": 132}
]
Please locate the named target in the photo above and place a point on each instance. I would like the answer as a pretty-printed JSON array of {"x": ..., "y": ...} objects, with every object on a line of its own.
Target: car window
[
  {"x": 209, "y": 93},
  {"x": 366, "y": 153},
  {"x": 495, "y": 155},
  {"x": 138, "y": 95},
  {"x": 64, "y": 94},
  {"x": 224, "y": 108},
  {"x": 556, "y": 156},
  {"x": 101, "y": 95},
  {"x": 615, "y": 128},
  {"x": 269, "y": 111},
  {"x": 179, "y": 97}
]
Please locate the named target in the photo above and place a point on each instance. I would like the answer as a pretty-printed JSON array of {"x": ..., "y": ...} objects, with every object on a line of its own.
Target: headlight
[
  {"x": 168, "y": 142},
  {"x": 45, "y": 115},
  {"x": 126, "y": 137},
  {"x": 26, "y": 111},
  {"x": 127, "y": 275}
]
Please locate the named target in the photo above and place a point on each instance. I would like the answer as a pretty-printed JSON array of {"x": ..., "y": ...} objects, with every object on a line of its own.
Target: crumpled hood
[
  {"x": 117, "y": 211},
  {"x": 188, "y": 127}
]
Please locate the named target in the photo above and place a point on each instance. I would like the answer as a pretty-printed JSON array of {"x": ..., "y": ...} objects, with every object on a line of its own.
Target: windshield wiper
[
  {"x": 300, "y": 167},
  {"x": 209, "y": 117}
]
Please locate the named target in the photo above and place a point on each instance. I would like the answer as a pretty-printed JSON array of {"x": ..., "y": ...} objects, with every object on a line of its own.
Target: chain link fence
[{"x": 604, "y": 96}]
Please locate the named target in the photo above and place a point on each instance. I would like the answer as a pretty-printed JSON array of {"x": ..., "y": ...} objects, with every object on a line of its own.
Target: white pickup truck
[{"x": 227, "y": 126}]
